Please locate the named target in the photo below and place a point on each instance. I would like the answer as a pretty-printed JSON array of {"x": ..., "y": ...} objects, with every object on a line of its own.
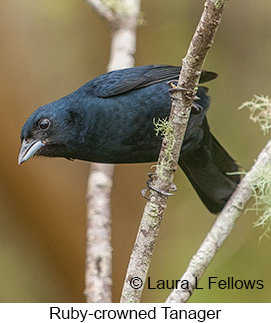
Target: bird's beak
[{"x": 28, "y": 149}]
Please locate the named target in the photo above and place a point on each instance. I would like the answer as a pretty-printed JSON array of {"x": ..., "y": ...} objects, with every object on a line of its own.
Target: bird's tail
[{"x": 209, "y": 170}]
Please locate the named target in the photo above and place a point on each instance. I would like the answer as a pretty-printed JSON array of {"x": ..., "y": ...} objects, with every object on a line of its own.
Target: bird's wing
[{"x": 121, "y": 81}]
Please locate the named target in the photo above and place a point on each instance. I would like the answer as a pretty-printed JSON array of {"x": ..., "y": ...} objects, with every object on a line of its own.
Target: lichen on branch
[
  {"x": 260, "y": 108},
  {"x": 164, "y": 128}
]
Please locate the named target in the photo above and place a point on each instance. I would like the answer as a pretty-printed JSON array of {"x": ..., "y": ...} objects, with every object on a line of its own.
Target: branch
[
  {"x": 122, "y": 16},
  {"x": 221, "y": 228},
  {"x": 167, "y": 163},
  {"x": 99, "y": 250},
  {"x": 102, "y": 9}
]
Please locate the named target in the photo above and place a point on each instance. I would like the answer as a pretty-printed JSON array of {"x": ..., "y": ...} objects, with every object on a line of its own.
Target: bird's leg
[
  {"x": 149, "y": 187},
  {"x": 196, "y": 108}
]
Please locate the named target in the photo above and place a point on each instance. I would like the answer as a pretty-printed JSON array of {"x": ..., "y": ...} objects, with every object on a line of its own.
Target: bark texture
[
  {"x": 122, "y": 17},
  {"x": 170, "y": 150}
]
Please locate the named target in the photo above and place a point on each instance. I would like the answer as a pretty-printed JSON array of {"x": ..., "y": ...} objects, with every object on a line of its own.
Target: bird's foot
[
  {"x": 175, "y": 88},
  {"x": 196, "y": 108},
  {"x": 149, "y": 187}
]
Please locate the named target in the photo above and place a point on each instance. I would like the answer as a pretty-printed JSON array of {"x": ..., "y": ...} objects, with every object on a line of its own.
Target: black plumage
[{"x": 110, "y": 120}]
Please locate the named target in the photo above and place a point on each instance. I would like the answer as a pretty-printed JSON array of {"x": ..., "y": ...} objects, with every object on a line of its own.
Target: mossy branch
[
  {"x": 222, "y": 227},
  {"x": 260, "y": 108},
  {"x": 165, "y": 129}
]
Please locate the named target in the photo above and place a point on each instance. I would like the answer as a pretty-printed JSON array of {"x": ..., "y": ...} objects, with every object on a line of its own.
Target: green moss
[
  {"x": 260, "y": 108},
  {"x": 261, "y": 188},
  {"x": 164, "y": 128},
  {"x": 220, "y": 3}
]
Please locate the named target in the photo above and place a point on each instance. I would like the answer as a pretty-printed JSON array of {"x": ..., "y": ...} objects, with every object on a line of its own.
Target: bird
[{"x": 110, "y": 119}]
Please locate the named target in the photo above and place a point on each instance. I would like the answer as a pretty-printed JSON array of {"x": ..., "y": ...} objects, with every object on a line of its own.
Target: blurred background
[{"x": 50, "y": 48}]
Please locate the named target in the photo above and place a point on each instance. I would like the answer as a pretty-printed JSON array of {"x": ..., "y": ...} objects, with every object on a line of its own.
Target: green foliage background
[{"x": 48, "y": 49}]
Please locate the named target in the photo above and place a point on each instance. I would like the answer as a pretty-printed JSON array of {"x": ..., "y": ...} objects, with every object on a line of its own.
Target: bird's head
[{"x": 49, "y": 132}]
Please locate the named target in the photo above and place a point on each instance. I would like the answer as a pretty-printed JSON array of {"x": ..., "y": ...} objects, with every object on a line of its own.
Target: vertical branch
[
  {"x": 99, "y": 250},
  {"x": 180, "y": 111},
  {"x": 122, "y": 16}
]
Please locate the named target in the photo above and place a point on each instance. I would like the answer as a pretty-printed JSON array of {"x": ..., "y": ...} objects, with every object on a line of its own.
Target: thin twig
[
  {"x": 180, "y": 111},
  {"x": 123, "y": 22},
  {"x": 221, "y": 229}
]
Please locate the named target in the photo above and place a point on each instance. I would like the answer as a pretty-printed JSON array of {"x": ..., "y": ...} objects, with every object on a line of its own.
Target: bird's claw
[
  {"x": 174, "y": 88},
  {"x": 149, "y": 187},
  {"x": 196, "y": 108}
]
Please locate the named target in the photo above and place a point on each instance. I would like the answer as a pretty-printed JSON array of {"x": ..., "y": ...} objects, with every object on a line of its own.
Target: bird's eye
[{"x": 44, "y": 124}]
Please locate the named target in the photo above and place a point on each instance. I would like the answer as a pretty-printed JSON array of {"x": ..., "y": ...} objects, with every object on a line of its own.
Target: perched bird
[{"x": 110, "y": 120}]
